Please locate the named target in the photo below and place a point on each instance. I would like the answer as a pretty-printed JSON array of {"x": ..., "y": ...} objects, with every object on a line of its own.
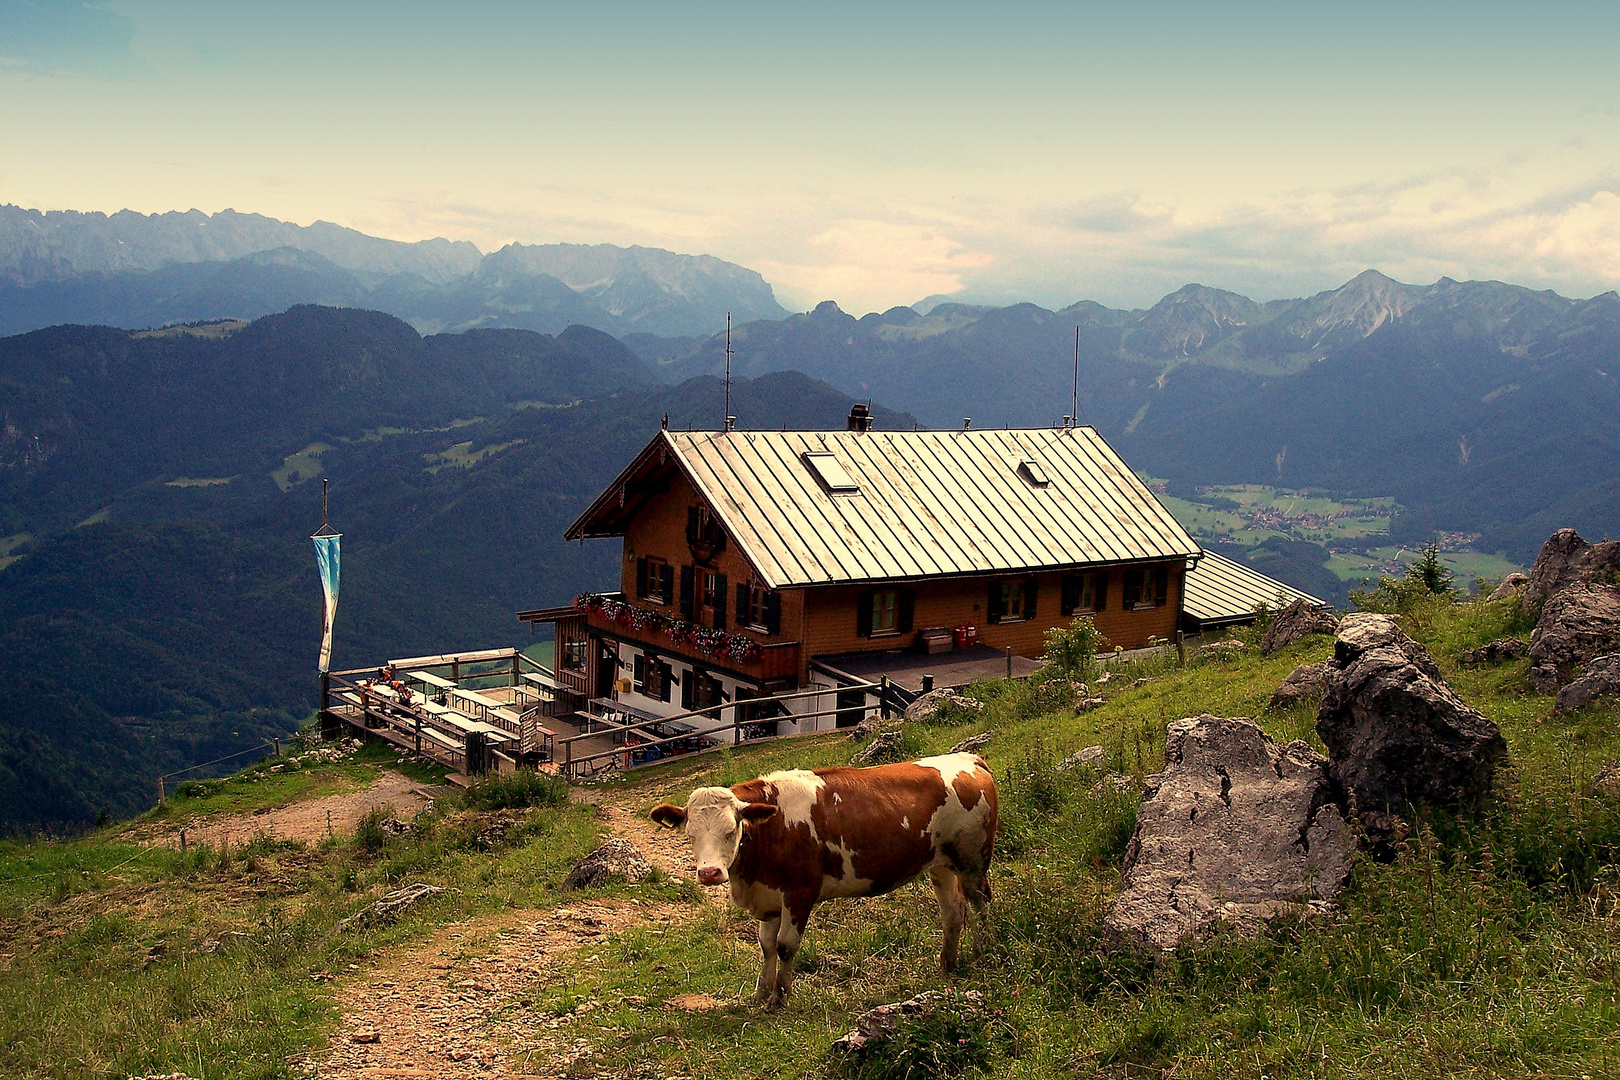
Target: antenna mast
[
  {"x": 1074, "y": 398},
  {"x": 731, "y": 421}
]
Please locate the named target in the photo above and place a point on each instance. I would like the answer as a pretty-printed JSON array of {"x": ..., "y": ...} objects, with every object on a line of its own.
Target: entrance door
[{"x": 607, "y": 669}]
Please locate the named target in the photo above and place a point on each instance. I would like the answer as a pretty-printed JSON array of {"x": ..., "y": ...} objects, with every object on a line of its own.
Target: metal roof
[
  {"x": 1220, "y": 590},
  {"x": 926, "y": 504}
]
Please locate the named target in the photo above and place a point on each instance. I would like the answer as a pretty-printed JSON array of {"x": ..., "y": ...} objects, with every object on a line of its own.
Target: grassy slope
[{"x": 1491, "y": 947}]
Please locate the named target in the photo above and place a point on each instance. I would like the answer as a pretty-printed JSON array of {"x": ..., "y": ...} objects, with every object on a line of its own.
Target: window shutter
[
  {"x": 1100, "y": 600},
  {"x": 1031, "y": 591},
  {"x": 641, "y": 673},
  {"x": 691, "y": 524},
  {"x": 1071, "y": 594},
  {"x": 665, "y": 674},
  {"x": 773, "y": 612},
  {"x": 719, "y": 601},
  {"x": 993, "y": 610},
  {"x": 907, "y": 604},
  {"x": 863, "y": 614},
  {"x": 688, "y": 592},
  {"x": 1161, "y": 586},
  {"x": 666, "y": 582},
  {"x": 743, "y": 609},
  {"x": 641, "y": 576},
  {"x": 1133, "y": 588},
  {"x": 689, "y": 690}
]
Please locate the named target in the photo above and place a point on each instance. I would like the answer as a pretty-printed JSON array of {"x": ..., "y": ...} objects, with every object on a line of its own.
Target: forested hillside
[{"x": 160, "y": 605}]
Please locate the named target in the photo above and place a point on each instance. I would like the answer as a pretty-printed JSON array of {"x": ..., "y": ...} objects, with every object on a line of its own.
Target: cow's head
[{"x": 715, "y": 820}]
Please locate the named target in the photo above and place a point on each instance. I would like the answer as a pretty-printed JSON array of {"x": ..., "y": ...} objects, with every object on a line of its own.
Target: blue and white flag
[{"x": 326, "y": 557}]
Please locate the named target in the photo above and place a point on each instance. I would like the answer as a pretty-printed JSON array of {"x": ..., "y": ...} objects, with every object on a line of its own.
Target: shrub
[
  {"x": 964, "y": 1039},
  {"x": 1071, "y": 651},
  {"x": 514, "y": 790}
]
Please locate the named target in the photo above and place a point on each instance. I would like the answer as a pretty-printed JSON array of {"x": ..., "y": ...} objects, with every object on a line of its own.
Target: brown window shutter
[
  {"x": 666, "y": 582},
  {"x": 743, "y": 612},
  {"x": 665, "y": 674},
  {"x": 1133, "y": 588},
  {"x": 689, "y": 690},
  {"x": 773, "y": 612},
  {"x": 1031, "y": 590},
  {"x": 1161, "y": 586},
  {"x": 863, "y": 614},
  {"x": 641, "y": 577},
  {"x": 719, "y": 601},
  {"x": 907, "y": 604},
  {"x": 1071, "y": 594},
  {"x": 688, "y": 592},
  {"x": 994, "y": 611},
  {"x": 1100, "y": 601},
  {"x": 641, "y": 673}
]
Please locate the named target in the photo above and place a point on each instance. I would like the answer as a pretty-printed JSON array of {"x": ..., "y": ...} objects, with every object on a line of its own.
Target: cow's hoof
[{"x": 775, "y": 1004}]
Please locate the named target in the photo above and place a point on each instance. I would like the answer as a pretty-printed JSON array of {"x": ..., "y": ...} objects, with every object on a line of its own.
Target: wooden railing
[{"x": 776, "y": 660}]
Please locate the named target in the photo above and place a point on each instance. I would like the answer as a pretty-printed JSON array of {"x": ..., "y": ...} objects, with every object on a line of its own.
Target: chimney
[{"x": 860, "y": 417}]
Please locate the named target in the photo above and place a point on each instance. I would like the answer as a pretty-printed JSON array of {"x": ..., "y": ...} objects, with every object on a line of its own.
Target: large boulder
[
  {"x": 1304, "y": 683},
  {"x": 1600, "y": 678},
  {"x": 1566, "y": 559},
  {"x": 1298, "y": 620},
  {"x": 1235, "y": 830},
  {"x": 1511, "y": 587},
  {"x": 1395, "y": 732},
  {"x": 941, "y": 704},
  {"x": 1578, "y": 622},
  {"x": 616, "y": 860}
]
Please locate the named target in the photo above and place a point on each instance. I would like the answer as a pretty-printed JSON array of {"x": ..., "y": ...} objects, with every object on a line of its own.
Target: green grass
[{"x": 1489, "y": 947}]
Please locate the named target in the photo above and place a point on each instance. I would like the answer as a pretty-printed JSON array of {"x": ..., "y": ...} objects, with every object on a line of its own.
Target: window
[
  {"x": 700, "y": 690},
  {"x": 884, "y": 612},
  {"x": 759, "y": 608},
  {"x": 704, "y": 533},
  {"x": 1012, "y": 600},
  {"x": 712, "y": 599},
  {"x": 655, "y": 580},
  {"x": 830, "y": 471},
  {"x": 572, "y": 654},
  {"x": 1144, "y": 590},
  {"x": 652, "y": 677},
  {"x": 1085, "y": 593},
  {"x": 1033, "y": 473}
]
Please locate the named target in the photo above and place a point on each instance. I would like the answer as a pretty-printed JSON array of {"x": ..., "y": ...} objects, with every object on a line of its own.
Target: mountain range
[{"x": 141, "y": 271}]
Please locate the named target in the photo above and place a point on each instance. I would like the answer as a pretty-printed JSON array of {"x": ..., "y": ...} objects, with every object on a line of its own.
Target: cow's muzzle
[{"x": 711, "y": 875}]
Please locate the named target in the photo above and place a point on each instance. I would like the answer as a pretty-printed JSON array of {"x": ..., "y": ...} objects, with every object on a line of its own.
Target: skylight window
[
  {"x": 831, "y": 473},
  {"x": 1032, "y": 471}
]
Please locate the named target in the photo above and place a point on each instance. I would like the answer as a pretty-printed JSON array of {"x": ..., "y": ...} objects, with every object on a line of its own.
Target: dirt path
[
  {"x": 455, "y": 1005},
  {"x": 308, "y": 821}
]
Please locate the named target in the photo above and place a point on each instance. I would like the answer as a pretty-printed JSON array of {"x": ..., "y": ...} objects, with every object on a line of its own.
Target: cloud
[{"x": 868, "y": 264}]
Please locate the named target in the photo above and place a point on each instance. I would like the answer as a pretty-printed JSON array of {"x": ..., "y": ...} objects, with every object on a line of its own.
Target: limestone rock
[
  {"x": 877, "y": 1025},
  {"x": 973, "y": 743},
  {"x": 1496, "y": 652},
  {"x": 885, "y": 748},
  {"x": 1565, "y": 559},
  {"x": 1607, "y": 781},
  {"x": 1091, "y": 757},
  {"x": 1236, "y": 829},
  {"x": 1303, "y": 684},
  {"x": 1220, "y": 650},
  {"x": 1298, "y": 620},
  {"x": 1086, "y": 704},
  {"x": 930, "y": 706},
  {"x": 391, "y": 906},
  {"x": 1510, "y": 588},
  {"x": 1577, "y": 623},
  {"x": 868, "y": 728},
  {"x": 616, "y": 860},
  {"x": 1600, "y": 678},
  {"x": 1395, "y": 732}
]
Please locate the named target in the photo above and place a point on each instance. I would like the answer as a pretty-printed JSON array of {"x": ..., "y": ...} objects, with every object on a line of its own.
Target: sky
[{"x": 871, "y": 154}]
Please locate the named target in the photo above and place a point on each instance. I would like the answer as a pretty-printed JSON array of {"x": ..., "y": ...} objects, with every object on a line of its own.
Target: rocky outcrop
[
  {"x": 1395, "y": 732},
  {"x": 390, "y": 907},
  {"x": 884, "y": 749},
  {"x": 875, "y": 1026},
  {"x": 1298, "y": 620},
  {"x": 1235, "y": 830},
  {"x": 1578, "y": 622},
  {"x": 973, "y": 743},
  {"x": 1304, "y": 683},
  {"x": 1511, "y": 587},
  {"x": 1496, "y": 652},
  {"x": 616, "y": 860},
  {"x": 1600, "y": 678},
  {"x": 939, "y": 704},
  {"x": 1566, "y": 559}
]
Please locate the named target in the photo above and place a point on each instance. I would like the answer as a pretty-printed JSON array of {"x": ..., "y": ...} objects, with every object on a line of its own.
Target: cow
[{"x": 788, "y": 840}]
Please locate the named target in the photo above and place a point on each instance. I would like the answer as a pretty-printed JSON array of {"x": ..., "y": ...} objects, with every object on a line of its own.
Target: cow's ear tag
[
  {"x": 669, "y": 816},
  {"x": 756, "y": 812}
]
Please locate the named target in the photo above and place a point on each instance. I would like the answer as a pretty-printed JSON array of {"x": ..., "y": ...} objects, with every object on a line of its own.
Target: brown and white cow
[{"x": 789, "y": 840}]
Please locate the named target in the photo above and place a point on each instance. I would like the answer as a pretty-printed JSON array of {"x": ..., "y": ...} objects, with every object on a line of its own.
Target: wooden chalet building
[{"x": 757, "y": 562}]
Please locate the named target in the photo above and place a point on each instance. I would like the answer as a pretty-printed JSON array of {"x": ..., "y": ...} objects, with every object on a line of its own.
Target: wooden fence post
[
  {"x": 1181, "y": 648},
  {"x": 1009, "y": 663},
  {"x": 161, "y": 800},
  {"x": 883, "y": 697}
]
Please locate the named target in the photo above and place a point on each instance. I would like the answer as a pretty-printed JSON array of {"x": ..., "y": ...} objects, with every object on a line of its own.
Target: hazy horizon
[{"x": 870, "y": 157}]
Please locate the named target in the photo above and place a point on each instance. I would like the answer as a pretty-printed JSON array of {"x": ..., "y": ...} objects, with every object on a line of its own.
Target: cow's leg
[
  {"x": 788, "y": 936},
  {"x": 952, "y": 914},
  {"x": 976, "y": 888},
  {"x": 768, "y": 929}
]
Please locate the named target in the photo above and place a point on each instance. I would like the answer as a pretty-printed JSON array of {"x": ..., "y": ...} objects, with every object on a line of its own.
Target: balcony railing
[{"x": 759, "y": 660}]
